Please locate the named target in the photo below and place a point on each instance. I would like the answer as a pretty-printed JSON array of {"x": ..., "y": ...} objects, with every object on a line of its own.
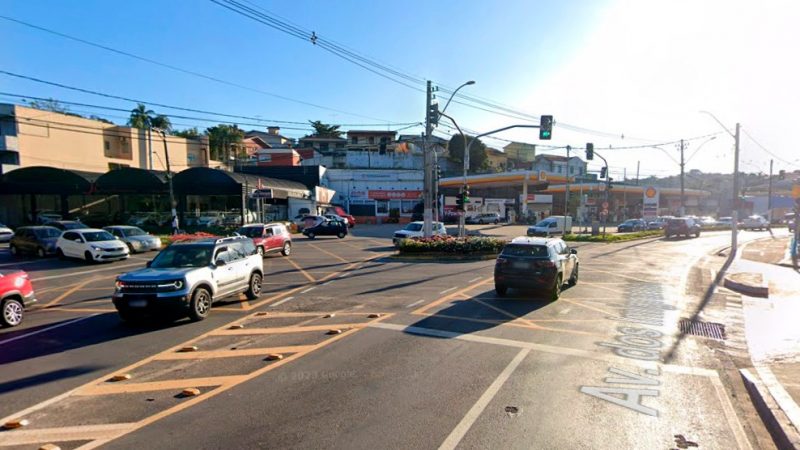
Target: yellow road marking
[
  {"x": 284, "y": 330},
  {"x": 600, "y": 286},
  {"x": 67, "y": 293},
  {"x": 297, "y": 266},
  {"x": 461, "y": 292},
  {"x": 577, "y": 303},
  {"x": 624, "y": 276},
  {"x": 65, "y": 434},
  {"x": 234, "y": 353},
  {"x": 164, "y": 385},
  {"x": 329, "y": 253},
  {"x": 510, "y": 324},
  {"x": 61, "y": 308}
]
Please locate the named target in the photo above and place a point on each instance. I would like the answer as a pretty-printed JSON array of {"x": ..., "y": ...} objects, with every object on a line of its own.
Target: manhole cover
[{"x": 705, "y": 329}]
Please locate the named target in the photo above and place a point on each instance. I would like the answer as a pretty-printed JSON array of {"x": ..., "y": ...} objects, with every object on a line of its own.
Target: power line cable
[{"x": 767, "y": 151}]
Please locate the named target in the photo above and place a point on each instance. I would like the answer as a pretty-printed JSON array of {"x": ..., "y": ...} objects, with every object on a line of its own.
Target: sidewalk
[{"x": 772, "y": 325}]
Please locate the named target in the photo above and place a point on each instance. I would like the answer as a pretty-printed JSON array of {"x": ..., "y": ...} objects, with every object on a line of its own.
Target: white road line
[
  {"x": 472, "y": 415},
  {"x": 474, "y": 280},
  {"x": 20, "y": 263},
  {"x": 415, "y": 303},
  {"x": 565, "y": 311},
  {"x": 33, "y": 333},
  {"x": 308, "y": 290},
  {"x": 281, "y": 302},
  {"x": 343, "y": 275},
  {"x": 447, "y": 290},
  {"x": 72, "y": 274}
]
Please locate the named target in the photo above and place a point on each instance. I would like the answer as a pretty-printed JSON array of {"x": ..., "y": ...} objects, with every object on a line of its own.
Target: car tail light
[
  {"x": 546, "y": 263},
  {"x": 502, "y": 261}
]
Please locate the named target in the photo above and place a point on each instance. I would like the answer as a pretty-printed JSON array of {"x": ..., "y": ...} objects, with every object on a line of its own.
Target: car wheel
[
  {"x": 500, "y": 290},
  {"x": 60, "y": 254},
  {"x": 130, "y": 248},
  {"x": 496, "y": 221},
  {"x": 88, "y": 257},
  {"x": 287, "y": 249},
  {"x": 200, "y": 304},
  {"x": 341, "y": 235},
  {"x": 556, "y": 292},
  {"x": 311, "y": 235},
  {"x": 697, "y": 235},
  {"x": 260, "y": 250},
  {"x": 254, "y": 288},
  {"x": 14, "y": 250},
  {"x": 40, "y": 252},
  {"x": 12, "y": 313},
  {"x": 573, "y": 280}
]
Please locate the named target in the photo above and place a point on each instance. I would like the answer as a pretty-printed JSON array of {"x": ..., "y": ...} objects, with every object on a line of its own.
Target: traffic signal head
[
  {"x": 589, "y": 151},
  {"x": 545, "y": 127},
  {"x": 433, "y": 114},
  {"x": 782, "y": 174},
  {"x": 603, "y": 172}
]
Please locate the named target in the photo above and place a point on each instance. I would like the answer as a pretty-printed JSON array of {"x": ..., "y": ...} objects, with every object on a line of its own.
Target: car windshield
[
  {"x": 73, "y": 225},
  {"x": 545, "y": 223},
  {"x": 630, "y": 222},
  {"x": 134, "y": 232},
  {"x": 183, "y": 256},
  {"x": 98, "y": 236},
  {"x": 45, "y": 233},
  {"x": 525, "y": 250},
  {"x": 414, "y": 227},
  {"x": 251, "y": 232}
]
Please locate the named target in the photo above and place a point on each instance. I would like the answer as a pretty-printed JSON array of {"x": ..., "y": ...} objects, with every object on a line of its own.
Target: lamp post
[
  {"x": 169, "y": 176},
  {"x": 735, "y": 212},
  {"x": 683, "y": 145}
]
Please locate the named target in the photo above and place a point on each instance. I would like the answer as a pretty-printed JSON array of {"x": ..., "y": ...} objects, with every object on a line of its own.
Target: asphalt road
[{"x": 380, "y": 353}]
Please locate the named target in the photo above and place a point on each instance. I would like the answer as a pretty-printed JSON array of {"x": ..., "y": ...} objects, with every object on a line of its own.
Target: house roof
[
  {"x": 322, "y": 139},
  {"x": 370, "y": 132},
  {"x": 555, "y": 157},
  {"x": 263, "y": 134}
]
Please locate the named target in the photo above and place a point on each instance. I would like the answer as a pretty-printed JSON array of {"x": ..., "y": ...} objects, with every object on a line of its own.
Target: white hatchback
[
  {"x": 92, "y": 245},
  {"x": 415, "y": 229}
]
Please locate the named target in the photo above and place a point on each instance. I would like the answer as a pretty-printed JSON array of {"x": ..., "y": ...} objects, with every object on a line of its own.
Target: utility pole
[
  {"x": 427, "y": 175},
  {"x": 637, "y": 172},
  {"x": 169, "y": 174},
  {"x": 683, "y": 197},
  {"x": 769, "y": 195},
  {"x": 608, "y": 188},
  {"x": 566, "y": 194},
  {"x": 735, "y": 215}
]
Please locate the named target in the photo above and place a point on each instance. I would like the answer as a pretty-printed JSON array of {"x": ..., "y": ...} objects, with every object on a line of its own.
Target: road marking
[
  {"x": 343, "y": 275},
  {"x": 305, "y": 274},
  {"x": 472, "y": 415},
  {"x": 285, "y": 330},
  {"x": 278, "y": 303},
  {"x": 63, "y": 434},
  {"x": 21, "y": 263},
  {"x": 67, "y": 293},
  {"x": 330, "y": 253},
  {"x": 33, "y": 333},
  {"x": 163, "y": 385},
  {"x": 421, "y": 311},
  {"x": 72, "y": 274},
  {"x": 308, "y": 290},
  {"x": 474, "y": 280},
  {"x": 213, "y": 354},
  {"x": 415, "y": 303},
  {"x": 576, "y": 303},
  {"x": 565, "y": 311},
  {"x": 447, "y": 290}
]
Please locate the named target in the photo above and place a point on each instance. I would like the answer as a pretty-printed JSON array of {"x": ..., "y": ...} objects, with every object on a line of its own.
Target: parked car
[
  {"x": 631, "y": 225},
  {"x": 210, "y": 219},
  {"x": 755, "y": 222},
  {"x": 64, "y": 225},
  {"x": 658, "y": 224},
  {"x": 416, "y": 229},
  {"x": 336, "y": 217},
  {"x": 39, "y": 240},
  {"x": 188, "y": 277},
  {"x": 483, "y": 218},
  {"x": 16, "y": 294},
  {"x": 299, "y": 221},
  {"x": 551, "y": 225},
  {"x": 135, "y": 238},
  {"x": 726, "y": 222},
  {"x": 45, "y": 217},
  {"x": 339, "y": 211},
  {"x": 269, "y": 238},
  {"x": 536, "y": 263},
  {"x": 92, "y": 245},
  {"x": 682, "y": 226},
  {"x": 336, "y": 228},
  {"x": 6, "y": 233}
]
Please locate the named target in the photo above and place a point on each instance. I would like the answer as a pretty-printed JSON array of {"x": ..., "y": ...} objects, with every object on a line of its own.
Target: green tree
[
  {"x": 325, "y": 130},
  {"x": 161, "y": 122},
  {"x": 477, "y": 152},
  {"x": 224, "y": 140},
  {"x": 141, "y": 117},
  {"x": 189, "y": 133},
  {"x": 50, "y": 104}
]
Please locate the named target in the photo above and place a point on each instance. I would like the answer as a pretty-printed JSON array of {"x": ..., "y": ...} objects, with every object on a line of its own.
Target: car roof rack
[{"x": 230, "y": 238}]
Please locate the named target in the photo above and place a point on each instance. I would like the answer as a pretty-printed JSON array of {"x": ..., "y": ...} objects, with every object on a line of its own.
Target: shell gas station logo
[{"x": 650, "y": 192}]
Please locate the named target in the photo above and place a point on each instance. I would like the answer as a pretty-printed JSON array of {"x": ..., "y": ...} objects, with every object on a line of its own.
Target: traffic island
[
  {"x": 615, "y": 237},
  {"x": 747, "y": 283},
  {"x": 449, "y": 248}
]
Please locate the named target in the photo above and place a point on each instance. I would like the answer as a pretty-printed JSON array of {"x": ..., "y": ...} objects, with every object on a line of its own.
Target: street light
[
  {"x": 169, "y": 174},
  {"x": 468, "y": 83}
]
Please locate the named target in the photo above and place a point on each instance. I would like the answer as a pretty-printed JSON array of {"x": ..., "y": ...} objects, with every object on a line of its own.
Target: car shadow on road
[
  {"x": 46, "y": 377},
  {"x": 478, "y": 313}
]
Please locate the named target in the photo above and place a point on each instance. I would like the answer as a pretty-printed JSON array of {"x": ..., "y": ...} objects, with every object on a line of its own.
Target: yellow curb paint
[{"x": 16, "y": 423}]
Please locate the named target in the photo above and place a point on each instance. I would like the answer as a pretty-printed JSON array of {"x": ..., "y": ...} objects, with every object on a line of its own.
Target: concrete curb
[
  {"x": 784, "y": 434},
  {"x": 752, "y": 290},
  {"x": 443, "y": 258}
]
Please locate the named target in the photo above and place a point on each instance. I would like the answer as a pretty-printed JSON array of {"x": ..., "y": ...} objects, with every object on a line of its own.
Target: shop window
[
  {"x": 382, "y": 207},
  {"x": 407, "y": 206},
  {"x": 354, "y": 140},
  {"x": 371, "y": 139},
  {"x": 116, "y": 166}
]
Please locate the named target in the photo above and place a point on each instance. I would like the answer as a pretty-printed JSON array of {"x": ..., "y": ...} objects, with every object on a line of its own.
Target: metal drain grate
[{"x": 705, "y": 329}]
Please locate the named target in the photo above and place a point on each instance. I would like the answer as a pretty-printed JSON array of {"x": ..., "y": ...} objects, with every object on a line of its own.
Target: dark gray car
[
  {"x": 37, "y": 240},
  {"x": 135, "y": 238}
]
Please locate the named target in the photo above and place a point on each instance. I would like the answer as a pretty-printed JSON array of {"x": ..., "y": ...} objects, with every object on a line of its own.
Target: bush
[
  {"x": 613, "y": 237},
  {"x": 452, "y": 245},
  {"x": 172, "y": 238}
]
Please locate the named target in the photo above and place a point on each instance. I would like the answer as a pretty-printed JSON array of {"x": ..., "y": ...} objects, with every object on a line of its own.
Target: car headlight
[
  {"x": 178, "y": 284},
  {"x": 94, "y": 247},
  {"x": 119, "y": 284}
]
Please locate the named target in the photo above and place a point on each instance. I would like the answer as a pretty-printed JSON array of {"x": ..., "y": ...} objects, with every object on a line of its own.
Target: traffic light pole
[
  {"x": 566, "y": 194},
  {"x": 608, "y": 188},
  {"x": 769, "y": 195},
  {"x": 427, "y": 199}
]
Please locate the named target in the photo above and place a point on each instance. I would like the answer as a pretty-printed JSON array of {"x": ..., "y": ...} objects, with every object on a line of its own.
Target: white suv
[
  {"x": 188, "y": 277},
  {"x": 415, "y": 229},
  {"x": 755, "y": 222},
  {"x": 92, "y": 245}
]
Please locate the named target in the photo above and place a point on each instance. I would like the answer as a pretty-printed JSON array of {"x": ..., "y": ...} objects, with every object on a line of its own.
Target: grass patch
[{"x": 619, "y": 237}]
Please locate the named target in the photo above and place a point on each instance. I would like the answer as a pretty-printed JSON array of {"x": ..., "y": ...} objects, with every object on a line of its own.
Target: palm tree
[
  {"x": 142, "y": 118},
  {"x": 325, "y": 130},
  {"x": 221, "y": 138},
  {"x": 161, "y": 122}
]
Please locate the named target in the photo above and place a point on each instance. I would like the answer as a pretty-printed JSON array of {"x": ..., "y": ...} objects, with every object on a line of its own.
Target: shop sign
[{"x": 393, "y": 195}]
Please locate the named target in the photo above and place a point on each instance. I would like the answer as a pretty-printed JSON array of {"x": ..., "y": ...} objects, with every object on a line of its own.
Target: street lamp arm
[
  {"x": 720, "y": 123},
  {"x": 468, "y": 83},
  {"x": 698, "y": 149}
]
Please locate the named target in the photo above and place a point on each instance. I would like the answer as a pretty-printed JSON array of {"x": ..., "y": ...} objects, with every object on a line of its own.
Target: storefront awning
[
  {"x": 48, "y": 181},
  {"x": 205, "y": 181},
  {"x": 130, "y": 180}
]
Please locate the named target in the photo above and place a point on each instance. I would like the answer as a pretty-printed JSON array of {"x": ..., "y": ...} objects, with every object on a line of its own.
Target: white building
[{"x": 372, "y": 194}]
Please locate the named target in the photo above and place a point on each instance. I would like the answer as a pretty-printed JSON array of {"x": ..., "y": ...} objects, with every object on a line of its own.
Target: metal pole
[
  {"x": 566, "y": 194},
  {"x": 462, "y": 218},
  {"x": 769, "y": 195},
  {"x": 735, "y": 215},
  {"x": 683, "y": 197},
  {"x": 637, "y": 172},
  {"x": 608, "y": 184},
  {"x": 169, "y": 175},
  {"x": 427, "y": 189}
]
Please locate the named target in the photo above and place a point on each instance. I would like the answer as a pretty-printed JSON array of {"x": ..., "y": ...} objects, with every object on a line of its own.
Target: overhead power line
[{"x": 767, "y": 151}]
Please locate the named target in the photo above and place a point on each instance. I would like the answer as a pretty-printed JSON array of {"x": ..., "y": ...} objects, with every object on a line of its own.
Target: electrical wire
[{"x": 767, "y": 151}]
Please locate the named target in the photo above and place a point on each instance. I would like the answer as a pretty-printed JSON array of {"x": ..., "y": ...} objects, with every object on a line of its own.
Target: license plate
[
  {"x": 519, "y": 265},
  {"x": 137, "y": 303}
]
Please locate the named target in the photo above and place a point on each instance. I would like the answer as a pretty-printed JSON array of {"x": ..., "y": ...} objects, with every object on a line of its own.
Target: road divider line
[
  {"x": 278, "y": 303},
  {"x": 472, "y": 415},
  {"x": 72, "y": 274},
  {"x": 577, "y": 303},
  {"x": 43, "y": 330},
  {"x": 308, "y": 290},
  {"x": 447, "y": 290},
  {"x": 22, "y": 263},
  {"x": 421, "y": 311},
  {"x": 330, "y": 253},
  {"x": 151, "y": 386},
  {"x": 213, "y": 354},
  {"x": 415, "y": 303},
  {"x": 285, "y": 330},
  {"x": 301, "y": 270},
  {"x": 474, "y": 280},
  {"x": 67, "y": 293},
  {"x": 62, "y": 434}
]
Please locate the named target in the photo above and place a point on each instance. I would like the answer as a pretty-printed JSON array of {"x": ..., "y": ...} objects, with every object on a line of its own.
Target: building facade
[{"x": 559, "y": 165}]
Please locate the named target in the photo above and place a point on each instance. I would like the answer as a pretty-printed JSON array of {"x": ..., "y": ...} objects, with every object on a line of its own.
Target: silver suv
[{"x": 187, "y": 277}]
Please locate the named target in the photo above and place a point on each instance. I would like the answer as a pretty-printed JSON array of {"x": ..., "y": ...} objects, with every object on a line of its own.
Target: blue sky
[{"x": 613, "y": 66}]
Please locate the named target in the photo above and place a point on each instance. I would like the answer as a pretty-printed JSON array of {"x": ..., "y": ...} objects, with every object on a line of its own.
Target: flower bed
[
  {"x": 171, "y": 238},
  {"x": 452, "y": 245}
]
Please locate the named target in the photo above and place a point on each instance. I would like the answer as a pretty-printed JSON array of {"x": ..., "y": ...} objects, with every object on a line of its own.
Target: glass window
[
  {"x": 382, "y": 206},
  {"x": 183, "y": 256},
  {"x": 407, "y": 206},
  {"x": 371, "y": 139},
  {"x": 98, "y": 236},
  {"x": 525, "y": 250},
  {"x": 71, "y": 236},
  {"x": 354, "y": 140},
  {"x": 48, "y": 232}
]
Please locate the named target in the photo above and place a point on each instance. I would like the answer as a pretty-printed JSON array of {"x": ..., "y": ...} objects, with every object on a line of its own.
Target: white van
[{"x": 551, "y": 225}]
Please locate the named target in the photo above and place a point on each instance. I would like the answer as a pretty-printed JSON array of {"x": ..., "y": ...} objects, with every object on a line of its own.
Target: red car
[
  {"x": 269, "y": 238},
  {"x": 339, "y": 211},
  {"x": 16, "y": 294}
]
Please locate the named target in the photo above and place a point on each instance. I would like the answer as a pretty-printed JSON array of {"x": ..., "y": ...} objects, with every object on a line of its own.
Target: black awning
[
  {"x": 47, "y": 180},
  {"x": 205, "y": 181},
  {"x": 131, "y": 180}
]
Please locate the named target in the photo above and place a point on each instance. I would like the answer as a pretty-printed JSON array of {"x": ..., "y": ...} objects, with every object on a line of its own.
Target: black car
[
  {"x": 536, "y": 263},
  {"x": 632, "y": 225},
  {"x": 327, "y": 228},
  {"x": 38, "y": 240},
  {"x": 65, "y": 225},
  {"x": 686, "y": 226}
]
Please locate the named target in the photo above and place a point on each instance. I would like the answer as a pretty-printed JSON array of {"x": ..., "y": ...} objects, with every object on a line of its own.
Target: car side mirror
[
  {"x": 219, "y": 262},
  {"x": 79, "y": 241},
  {"x": 148, "y": 263},
  {"x": 573, "y": 251}
]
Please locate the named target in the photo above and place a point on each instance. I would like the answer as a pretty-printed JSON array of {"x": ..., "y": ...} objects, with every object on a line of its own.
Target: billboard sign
[{"x": 650, "y": 202}]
